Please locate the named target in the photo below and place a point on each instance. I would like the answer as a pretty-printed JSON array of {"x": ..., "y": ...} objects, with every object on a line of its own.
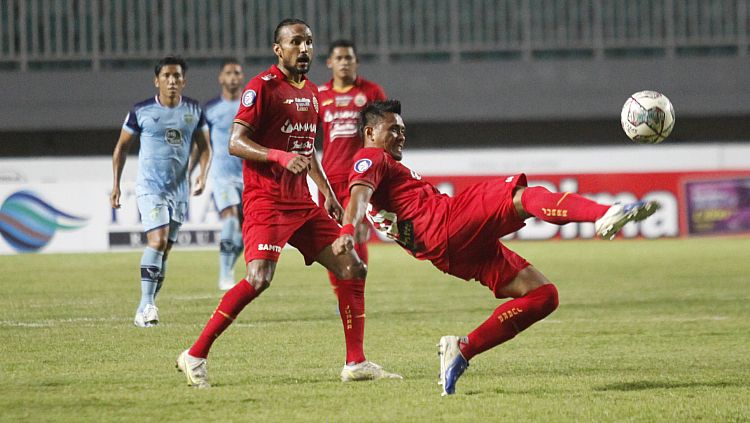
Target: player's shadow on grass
[{"x": 643, "y": 385}]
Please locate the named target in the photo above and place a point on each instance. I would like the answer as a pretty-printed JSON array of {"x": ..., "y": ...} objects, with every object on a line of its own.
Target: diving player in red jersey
[
  {"x": 274, "y": 132},
  {"x": 341, "y": 100},
  {"x": 460, "y": 235}
]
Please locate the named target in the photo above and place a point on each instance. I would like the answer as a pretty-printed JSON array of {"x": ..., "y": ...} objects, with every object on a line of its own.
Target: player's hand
[
  {"x": 200, "y": 185},
  {"x": 114, "y": 198},
  {"x": 298, "y": 164},
  {"x": 343, "y": 244},
  {"x": 334, "y": 209},
  {"x": 294, "y": 163}
]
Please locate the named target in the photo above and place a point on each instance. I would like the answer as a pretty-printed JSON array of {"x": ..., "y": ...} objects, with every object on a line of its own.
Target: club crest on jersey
[
  {"x": 248, "y": 98},
  {"x": 360, "y": 100},
  {"x": 173, "y": 136},
  {"x": 362, "y": 165},
  {"x": 188, "y": 118}
]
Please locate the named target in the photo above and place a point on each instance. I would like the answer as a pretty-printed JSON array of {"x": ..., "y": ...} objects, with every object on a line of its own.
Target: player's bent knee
[
  {"x": 355, "y": 270},
  {"x": 550, "y": 298},
  {"x": 259, "y": 282}
]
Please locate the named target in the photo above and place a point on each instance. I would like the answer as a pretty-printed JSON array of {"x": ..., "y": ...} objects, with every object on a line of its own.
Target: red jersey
[
  {"x": 283, "y": 116},
  {"x": 339, "y": 116},
  {"x": 403, "y": 206}
]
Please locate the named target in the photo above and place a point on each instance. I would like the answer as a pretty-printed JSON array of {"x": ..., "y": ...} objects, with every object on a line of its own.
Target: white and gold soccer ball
[{"x": 647, "y": 117}]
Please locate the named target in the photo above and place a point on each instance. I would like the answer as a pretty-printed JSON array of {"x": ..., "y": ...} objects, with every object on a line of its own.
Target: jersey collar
[
  {"x": 355, "y": 84},
  {"x": 156, "y": 97},
  {"x": 279, "y": 74}
]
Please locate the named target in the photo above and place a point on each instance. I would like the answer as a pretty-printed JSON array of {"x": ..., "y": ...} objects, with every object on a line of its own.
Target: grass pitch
[{"x": 646, "y": 331}]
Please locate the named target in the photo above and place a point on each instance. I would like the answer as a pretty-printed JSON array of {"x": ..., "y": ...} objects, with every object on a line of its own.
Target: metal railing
[{"x": 93, "y": 33}]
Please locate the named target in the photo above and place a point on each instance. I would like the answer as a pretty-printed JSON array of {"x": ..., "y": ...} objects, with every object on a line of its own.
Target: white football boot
[
  {"x": 618, "y": 215},
  {"x": 452, "y": 363},
  {"x": 148, "y": 317},
  {"x": 366, "y": 370},
  {"x": 194, "y": 368}
]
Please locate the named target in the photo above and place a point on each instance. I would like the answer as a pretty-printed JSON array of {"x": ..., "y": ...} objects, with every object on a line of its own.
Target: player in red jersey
[
  {"x": 274, "y": 132},
  {"x": 460, "y": 235},
  {"x": 341, "y": 100}
]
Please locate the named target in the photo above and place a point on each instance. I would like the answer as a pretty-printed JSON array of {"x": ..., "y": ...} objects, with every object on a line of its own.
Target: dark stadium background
[{"x": 470, "y": 73}]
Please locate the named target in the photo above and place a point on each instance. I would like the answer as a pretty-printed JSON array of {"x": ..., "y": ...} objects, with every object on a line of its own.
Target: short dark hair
[
  {"x": 342, "y": 43},
  {"x": 287, "y": 22},
  {"x": 376, "y": 111},
  {"x": 170, "y": 60},
  {"x": 229, "y": 61}
]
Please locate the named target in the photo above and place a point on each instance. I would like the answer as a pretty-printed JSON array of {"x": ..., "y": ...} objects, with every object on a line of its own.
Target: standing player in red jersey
[
  {"x": 341, "y": 100},
  {"x": 460, "y": 235},
  {"x": 274, "y": 132}
]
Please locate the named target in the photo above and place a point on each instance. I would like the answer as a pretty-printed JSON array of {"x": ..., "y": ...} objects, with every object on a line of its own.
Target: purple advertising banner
[{"x": 716, "y": 207}]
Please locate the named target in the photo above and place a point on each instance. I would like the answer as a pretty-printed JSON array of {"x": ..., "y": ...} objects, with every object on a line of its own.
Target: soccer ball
[{"x": 647, "y": 117}]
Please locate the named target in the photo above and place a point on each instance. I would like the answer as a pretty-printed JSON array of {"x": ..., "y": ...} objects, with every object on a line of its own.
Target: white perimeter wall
[{"x": 81, "y": 186}]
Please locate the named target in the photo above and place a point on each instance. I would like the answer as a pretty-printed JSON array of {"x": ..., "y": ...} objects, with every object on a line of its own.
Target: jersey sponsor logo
[
  {"x": 343, "y": 100},
  {"x": 349, "y": 115},
  {"x": 173, "y": 136},
  {"x": 248, "y": 98},
  {"x": 288, "y": 127},
  {"x": 315, "y": 104},
  {"x": 360, "y": 100},
  {"x": 269, "y": 247},
  {"x": 343, "y": 130},
  {"x": 303, "y": 104},
  {"x": 268, "y": 77},
  {"x": 301, "y": 145},
  {"x": 362, "y": 165}
]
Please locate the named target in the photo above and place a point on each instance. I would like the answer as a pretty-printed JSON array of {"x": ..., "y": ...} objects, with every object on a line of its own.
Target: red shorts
[
  {"x": 266, "y": 231},
  {"x": 479, "y": 216}
]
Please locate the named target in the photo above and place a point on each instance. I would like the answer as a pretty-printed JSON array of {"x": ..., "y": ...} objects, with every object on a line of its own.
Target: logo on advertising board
[{"x": 28, "y": 222}]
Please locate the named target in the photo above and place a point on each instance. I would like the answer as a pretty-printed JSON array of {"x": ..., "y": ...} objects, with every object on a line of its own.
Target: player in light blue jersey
[
  {"x": 167, "y": 125},
  {"x": 226, "y": 170}
]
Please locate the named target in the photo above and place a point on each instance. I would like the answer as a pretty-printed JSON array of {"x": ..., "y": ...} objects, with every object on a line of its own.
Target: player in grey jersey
[{"x": 167, "y": 125}]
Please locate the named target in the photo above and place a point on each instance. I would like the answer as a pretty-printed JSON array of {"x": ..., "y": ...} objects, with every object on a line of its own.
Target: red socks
[
  {"x": 230, "y": 306},
  {"x": 560, "y": 207},
  {"x": 351, "y": 295},
  {"x": 510, "y": 319}
]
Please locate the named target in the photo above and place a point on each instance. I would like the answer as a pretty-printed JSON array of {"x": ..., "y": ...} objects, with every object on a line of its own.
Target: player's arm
[
  {"x": 359, "y": 198},
  {"x": 203, "y": 152},
  {"x": 242, "y": 145},
  {"x": 118, "y": 163},
  {"x": 331, "y": 205}
]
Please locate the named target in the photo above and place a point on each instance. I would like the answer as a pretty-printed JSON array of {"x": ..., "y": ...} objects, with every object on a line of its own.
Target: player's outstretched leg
[
  {"x": 147, "y": 314},
  {"x": 564, "y": 207},
  {"x": 230, "y": 306},
  {"x": 620, "y": 214},
  {"x": 507, "y": 321}
]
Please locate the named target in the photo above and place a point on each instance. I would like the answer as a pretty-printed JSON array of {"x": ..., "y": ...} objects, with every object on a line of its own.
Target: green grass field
[{"x": 646, "y": 331}]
